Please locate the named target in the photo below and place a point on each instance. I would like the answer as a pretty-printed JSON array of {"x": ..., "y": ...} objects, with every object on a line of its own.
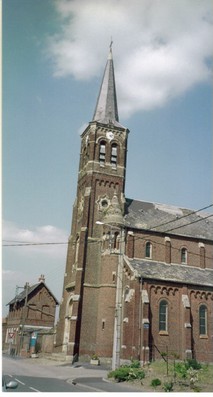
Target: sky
[{"x": 54, "y": 55}]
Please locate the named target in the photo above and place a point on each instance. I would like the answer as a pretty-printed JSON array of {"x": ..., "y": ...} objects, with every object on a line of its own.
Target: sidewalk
[{"x": 68, "y": 370}]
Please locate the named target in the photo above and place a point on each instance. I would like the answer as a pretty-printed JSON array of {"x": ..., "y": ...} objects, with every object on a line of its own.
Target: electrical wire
[
  {"x": 20, "y": 244},
  {"x": 181, "y": 217},
  {"x": 190, "y": 223}
]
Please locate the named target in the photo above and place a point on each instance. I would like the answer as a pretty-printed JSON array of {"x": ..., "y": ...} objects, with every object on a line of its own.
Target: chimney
[{"x": 41, "y": 279}]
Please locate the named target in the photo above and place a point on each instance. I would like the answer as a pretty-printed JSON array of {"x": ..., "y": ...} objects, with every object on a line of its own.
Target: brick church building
[{"x": 139, "y": 275}]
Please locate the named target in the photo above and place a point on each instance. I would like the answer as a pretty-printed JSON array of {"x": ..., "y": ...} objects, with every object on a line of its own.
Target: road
[{"x": 35, "y": 375}]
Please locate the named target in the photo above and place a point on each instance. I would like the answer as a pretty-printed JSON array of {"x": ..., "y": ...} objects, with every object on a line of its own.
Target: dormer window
[
  {"x": 114, "y": 155},
  {"x": 102, "y": 153}
]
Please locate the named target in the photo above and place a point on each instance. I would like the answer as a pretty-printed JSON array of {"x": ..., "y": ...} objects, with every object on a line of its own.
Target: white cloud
[
  {"x": 47, "y": 237},
  {"x": 23, "y": 264},
  {"x": 161, "y": 49}
]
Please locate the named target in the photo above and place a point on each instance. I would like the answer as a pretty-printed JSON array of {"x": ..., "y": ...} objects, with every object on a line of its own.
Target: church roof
[
  {"x": 172, "y": 272},
  {"x": 168, "y": 219},
  {"x": 106, "y": 110}
]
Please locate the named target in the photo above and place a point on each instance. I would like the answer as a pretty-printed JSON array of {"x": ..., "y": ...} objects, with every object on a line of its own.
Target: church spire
[{"x": 106, "y": 110}]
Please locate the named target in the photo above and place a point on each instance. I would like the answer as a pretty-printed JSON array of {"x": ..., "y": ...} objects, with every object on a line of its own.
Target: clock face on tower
[{"x": 109, "y": 135}]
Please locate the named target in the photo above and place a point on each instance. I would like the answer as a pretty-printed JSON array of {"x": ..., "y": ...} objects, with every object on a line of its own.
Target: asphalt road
[
  {"x": 35, "y": 375},
  {"x": 30, "y": 384}
]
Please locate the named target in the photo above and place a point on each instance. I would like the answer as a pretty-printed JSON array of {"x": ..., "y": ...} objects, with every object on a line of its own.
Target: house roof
[
  {"x": 168, "y": 219},
  {"x": 172, "y": 272},
  {"x": 20, "y": 297}
]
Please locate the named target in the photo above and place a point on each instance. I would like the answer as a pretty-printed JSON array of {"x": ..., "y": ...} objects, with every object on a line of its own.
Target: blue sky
[{"x": 54, "y": 54}]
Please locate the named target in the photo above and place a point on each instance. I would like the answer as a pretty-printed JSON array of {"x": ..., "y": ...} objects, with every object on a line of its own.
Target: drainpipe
[{"x": 140, "y": 315}]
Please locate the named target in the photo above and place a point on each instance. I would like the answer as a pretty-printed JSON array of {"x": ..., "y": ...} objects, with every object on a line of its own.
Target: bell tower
[{"x": 87, "y": 310}]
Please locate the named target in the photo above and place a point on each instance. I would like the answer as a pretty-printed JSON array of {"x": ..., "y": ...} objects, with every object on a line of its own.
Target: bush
[
  {"x": 135, "y": 364},
  {"x": 136, "y": 373},
  {"x": 155, "y": 382},
  {"x": 121, "y": 374},
  {"x": 168, "y": 387},
  {"x": 192, "y": 363},
  {"x": 182, "y": 368},
  {"x": 127, "y": 373}
]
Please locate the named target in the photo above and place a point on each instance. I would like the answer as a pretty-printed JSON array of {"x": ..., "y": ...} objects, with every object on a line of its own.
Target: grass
[{"x": 158, "y": 370}]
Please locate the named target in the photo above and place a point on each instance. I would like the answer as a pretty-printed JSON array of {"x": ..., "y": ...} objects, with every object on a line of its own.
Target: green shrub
[
  {"x": 126, "y": 373},
  {"x": 135, "y": 364},
  {"x": 155, "y": 382},
  {"x": 181, "y": 370},
  {"x": 136, "y": 373},
  {"x": 168, "y": 386},
  {"x": 121, "y": 374},
  {"x": 192, "y": 363}
]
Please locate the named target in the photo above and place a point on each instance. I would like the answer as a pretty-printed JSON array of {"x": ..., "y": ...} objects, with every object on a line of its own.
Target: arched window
[
  {"x": 202, "y": 257},
  {"x": 114, "y": 154},
  {"x": 163, "y": 316},
  {"x": 102, "y": 153},
  {"x": 203, "y": 320},
  {"x": 76, "y": 249},
  {"x": 116, "y": 240},
  {"x": 168, "y": 251},
  {"x": 148, "y": 251},
  {"x": 183, "y": 255}
]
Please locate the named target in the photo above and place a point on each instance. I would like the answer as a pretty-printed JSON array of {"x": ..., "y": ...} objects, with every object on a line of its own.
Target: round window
[{"x": 104, "y": 203}]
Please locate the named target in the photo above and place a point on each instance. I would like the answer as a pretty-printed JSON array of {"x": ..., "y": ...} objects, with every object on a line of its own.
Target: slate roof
[
  {"x": 20, "y": 297},
  {"x": 172, "y": 272},
  {"x": 168, "y": 218},
  {"x": 106, "y": 110}
]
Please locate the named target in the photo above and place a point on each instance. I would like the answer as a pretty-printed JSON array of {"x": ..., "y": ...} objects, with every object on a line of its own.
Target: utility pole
[
  {"x": 118, "y": 299},
  {"x": 24, "y": 315},
  {"x": 118, "y": 306}
]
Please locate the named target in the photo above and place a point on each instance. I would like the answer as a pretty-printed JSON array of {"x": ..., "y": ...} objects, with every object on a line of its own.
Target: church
[{"x": 138, "y": 282}]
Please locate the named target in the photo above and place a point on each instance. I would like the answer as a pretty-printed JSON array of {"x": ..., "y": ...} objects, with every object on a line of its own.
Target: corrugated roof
[
  {"x": 172, "y": 272},
  {"x": 167, "y": 218}
]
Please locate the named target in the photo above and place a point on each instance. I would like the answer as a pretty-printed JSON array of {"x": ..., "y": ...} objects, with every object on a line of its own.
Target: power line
[
  {"x": 20, "y": 244},
  {"x": 190, "y": 223},
  {"x": 181, "y": 217}
]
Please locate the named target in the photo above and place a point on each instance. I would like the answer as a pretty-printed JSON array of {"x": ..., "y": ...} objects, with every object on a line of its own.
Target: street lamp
[{"x": 118, "y": 300}]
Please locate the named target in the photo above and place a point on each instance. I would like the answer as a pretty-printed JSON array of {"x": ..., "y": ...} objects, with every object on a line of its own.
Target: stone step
[{"x": 58, "y": 357}]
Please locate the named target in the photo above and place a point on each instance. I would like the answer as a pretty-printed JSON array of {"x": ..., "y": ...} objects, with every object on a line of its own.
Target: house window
[
  {"x": 203, "y": 319},
  {"x": 102, "y": 153},
  {"x": 163, "y": 316},
  {"x": 148, "y": 251},
  {"x": 114, "y": 154},
  {"x": 183, "y": 255}
]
